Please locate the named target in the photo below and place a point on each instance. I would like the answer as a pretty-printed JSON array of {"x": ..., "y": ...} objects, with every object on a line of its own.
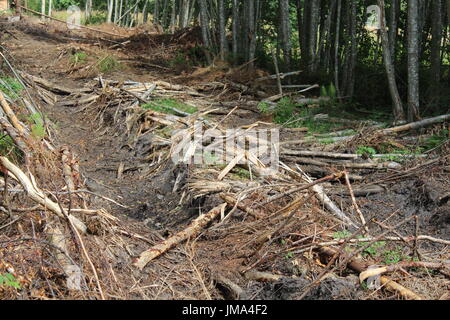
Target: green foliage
[
  {"x": 341, "y": 235},
  {"x": 8, "y": 148},
  {"x": 329, "y": 91},
  {"x": 393, "y": 256},
  {"x": 284, "y": 110},
  {"x": 8, "y": 280},
  {"x": 289, "y": 255},
  {"x": 373, "y": 249},
  {"x": 108, "y": 64},
  {"x": 168, "y": 105},
  {"x": 264, "y": 107},
  {"x": 241, "y": 173},
  {"x": 96, "y": 18},
  {"x": 366, "y": 151},
  {"x": 78, "y": 57},
  {"x": 37, "y": 126},
  {"x": 436, "y": 140},
  {"x": 11, "y": 87}
]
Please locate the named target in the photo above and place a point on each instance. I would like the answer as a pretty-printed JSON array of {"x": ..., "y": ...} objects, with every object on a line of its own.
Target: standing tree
[
  {"x": 389, "y": 66},
  {"x": 413, "y": 60}
]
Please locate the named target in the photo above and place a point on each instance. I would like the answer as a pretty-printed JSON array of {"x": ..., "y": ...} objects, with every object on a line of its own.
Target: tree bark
[
  {"x": 336, "y": 48},
  {"x": 235, "y": 29},
  {"x": 313, "y": 29},
  {"x": 43, "y": 9},
  {"x": 285, "y": 30},
  {"x": 393, "y": 28},
  {"x": 204, "y": 22},
  {"x": 413, "y": 60},
  {"x": 436, "y": 46},
  {"x": 389, "y": 66},
  {"x": 222, "y": 32}
]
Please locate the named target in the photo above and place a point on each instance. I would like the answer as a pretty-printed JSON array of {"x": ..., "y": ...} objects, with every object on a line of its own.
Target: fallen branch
[
  {"x": 389, "y": 284},
  {"x": 230, "y": 200},
  {"x": 37, "y": 195},
  {"x": 10, "y": 114},
  {"x": 399, "y": 266},
  {"x": 192, "y": 230},
  {"x": 417, "y": 124}
]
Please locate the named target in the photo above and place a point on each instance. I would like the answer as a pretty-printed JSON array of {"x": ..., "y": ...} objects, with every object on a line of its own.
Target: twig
[{"x": 355, "y": 205}]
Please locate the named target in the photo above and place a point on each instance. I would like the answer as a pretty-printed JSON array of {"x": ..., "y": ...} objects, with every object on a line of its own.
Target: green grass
[
  {"x": 108, "y": 64},
  {"x": 436, "y": 140},
  {"x": 37, "y": 126},
  {"x": 167, "y": 105},
  {"x": 78, "y": 57},
  {"x": 8, "y": 280},
  {"x": 11, "y": 87},
  {"x": 8, "y": 148}
]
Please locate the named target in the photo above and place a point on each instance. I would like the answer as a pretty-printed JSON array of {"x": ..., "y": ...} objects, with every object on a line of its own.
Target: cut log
[
  {"x": 388, "y": 283},
  {"x": 191, "y": 231},
  {"x": 417, "y": 124}
]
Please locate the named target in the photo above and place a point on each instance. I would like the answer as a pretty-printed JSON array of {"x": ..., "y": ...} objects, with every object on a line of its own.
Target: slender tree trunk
[
  {"x": 204, "y": 21},
  {"x": 156, "y": 12},
  {"x": 389, "y": 66},
  {"x": 145, "y": 12},
  {"x": 110, "y": 10},
  {"x": 326, "y": 46},
  {"x": 235, "y": 29},
  {"x": 116, "y": 10},
  {"x": 285, "y": 28},
  {"x": 43, "y": 9},
  {"x": 173, "y": 16},
  {"x": 393, "y": 29},
  {"x": 350, "y": 85},
  {"x": 300, "y": 27},
  {"x": 251, "y": 31},
  {"x": 306, "y": 32},
  {"x": 184, "y": 13},
  {"x": 413, "y": 60},
  {"x": 50, "y": 4},
  {"x": 313, "y": 29},
  {"x": 222, "y": 32},
  {"x": 336, "y": 47},
  {"x": 436, "y": 46}
]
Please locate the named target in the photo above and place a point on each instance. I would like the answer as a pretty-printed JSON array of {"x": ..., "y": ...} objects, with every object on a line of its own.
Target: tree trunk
[
  {"x": 235, "y": 29},
  {"x": 156, "y": 12},
  {"x": 173, "y": 16},
  {"x": 110, "y": 10},
  {"x": 436, "y": 46},
  {"x": 222, "y": 31},
  {"x": 285, "y": 28},
  {"x": 145, "y": 12},
  {"x": 251, "y": 32},
  {"x": 389, "y": 66},
  {"x": 313, "y": 29},
  {"x": 336, "y": 47},
  {"x": 43, "y": 9},
  {"x": 204, "y": 22},
  {"x": 393, "y": 29},
  {"x": 50, "y": 4},
  {"x": 413, "y": 60}
]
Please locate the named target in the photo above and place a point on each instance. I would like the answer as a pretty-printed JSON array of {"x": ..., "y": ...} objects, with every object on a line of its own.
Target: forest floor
[{"x": 122, "y": 149}]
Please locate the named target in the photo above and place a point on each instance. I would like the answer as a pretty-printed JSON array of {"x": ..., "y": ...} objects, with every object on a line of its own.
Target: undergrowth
[
  {"x": 11, "y": 87},
  {"x": 169, "y": 106}
]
